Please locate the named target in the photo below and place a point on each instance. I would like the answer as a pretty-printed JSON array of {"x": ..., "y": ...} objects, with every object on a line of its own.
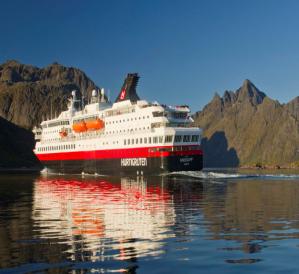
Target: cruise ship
[{"x": 129, "y": 136}]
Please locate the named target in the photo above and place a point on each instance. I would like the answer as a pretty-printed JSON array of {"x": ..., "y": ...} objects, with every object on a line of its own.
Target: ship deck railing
[
  {"x": 94, "y": 135},
  {"x": 111, "y": 113}
]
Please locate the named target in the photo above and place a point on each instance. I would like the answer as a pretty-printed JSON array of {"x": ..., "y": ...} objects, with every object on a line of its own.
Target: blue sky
[{"x": 184, "y": 51}]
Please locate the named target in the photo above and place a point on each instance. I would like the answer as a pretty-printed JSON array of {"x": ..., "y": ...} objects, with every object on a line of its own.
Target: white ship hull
[{"x": 129, "y": 136}]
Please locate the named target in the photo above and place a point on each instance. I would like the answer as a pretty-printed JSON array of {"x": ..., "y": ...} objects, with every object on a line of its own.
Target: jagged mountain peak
[
  {"x": 255, "y": 127},
  {"x": 216, "y": 97},
  {"x": 229, "y": 96},
  {"x": 247, "y": 82},
  {"x": 11, "y": 63},
  {"x": 248, "y": 91}
]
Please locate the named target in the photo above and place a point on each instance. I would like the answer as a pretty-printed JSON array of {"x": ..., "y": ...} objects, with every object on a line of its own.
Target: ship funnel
[{"x": 128, "y": 90}]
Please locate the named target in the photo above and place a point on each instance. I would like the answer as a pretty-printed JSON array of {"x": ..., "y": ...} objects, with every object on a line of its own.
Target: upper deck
[{"x": 128, "y": 118}]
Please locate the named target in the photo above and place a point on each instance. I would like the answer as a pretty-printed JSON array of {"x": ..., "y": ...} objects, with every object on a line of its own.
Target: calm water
[{"x": 204, "y": 223}]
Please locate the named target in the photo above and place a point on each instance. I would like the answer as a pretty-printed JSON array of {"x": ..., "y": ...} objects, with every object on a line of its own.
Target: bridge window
[
  {"x": 194, "y": 138},
  {"x": 186, "y": 138},
  {"x": 168, "y": 138},
  {"x": 178, "y": 138},
  {"x": 179, "y": 115},
  {"x": 158, "y": 113}
]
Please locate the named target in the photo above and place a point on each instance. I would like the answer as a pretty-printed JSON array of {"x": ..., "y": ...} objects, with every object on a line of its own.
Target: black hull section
[{"x": 157, "y": 165}]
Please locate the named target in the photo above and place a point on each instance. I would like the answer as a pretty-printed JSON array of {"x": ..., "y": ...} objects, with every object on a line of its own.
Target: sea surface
[{"x": 220, "y": 221}]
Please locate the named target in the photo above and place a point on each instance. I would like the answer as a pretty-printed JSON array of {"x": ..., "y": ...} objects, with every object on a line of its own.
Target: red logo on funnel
[{"x": 123, "y": 94}]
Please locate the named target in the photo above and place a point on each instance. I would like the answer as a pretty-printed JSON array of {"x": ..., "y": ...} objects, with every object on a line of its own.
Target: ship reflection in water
[
  {"x": 153, "y": 224},
  {"x": 130, "y": 218}
]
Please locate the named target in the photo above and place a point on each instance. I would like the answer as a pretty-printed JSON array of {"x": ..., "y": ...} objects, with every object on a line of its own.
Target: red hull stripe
[{"x": 142, "y": 152}]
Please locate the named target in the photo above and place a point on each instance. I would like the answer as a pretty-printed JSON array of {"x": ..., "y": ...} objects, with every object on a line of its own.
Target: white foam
[
  {"x": 207, "y": 175},
  {"x": 221, "y": 175}
]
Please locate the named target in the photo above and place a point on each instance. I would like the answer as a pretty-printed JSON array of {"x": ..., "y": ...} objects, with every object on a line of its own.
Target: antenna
[
  {"x": 94, "y": 96},
  {"x": 82, "y": 99},
  {"x": 102, "y": 95},
  {"x": 51, "y": 110},
  {"x": 74, "y": 94}
]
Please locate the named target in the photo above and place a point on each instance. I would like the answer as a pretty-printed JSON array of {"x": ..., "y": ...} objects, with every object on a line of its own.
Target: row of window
[
  {"x": 125, "y": 130},
  {"x": 179, "y": 115},
  {"x": 107, "y": 132},
  {"x": 168, "y": 138},
  {"x": 149, "y": 140},
  {"x": 176, "y": 148},
  {"x": 159, "y": 114},
  {"x": 159, "y": 124},
  {"x": 61, "y": 147},
  {"x": 118, "y": 112},
  {"x": 186, "y": 138},
  {"x": 55, "y": 124},
  {"x": 52, "y": 131},
  {"x": 126, "y": 120}
]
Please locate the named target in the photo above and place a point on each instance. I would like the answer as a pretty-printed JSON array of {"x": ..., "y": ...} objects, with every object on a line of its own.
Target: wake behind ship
[{"x": 128, "y": 136}]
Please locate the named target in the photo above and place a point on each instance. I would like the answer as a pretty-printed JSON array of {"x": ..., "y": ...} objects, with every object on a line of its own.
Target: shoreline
[
  {"x": 21, "y": 170},
  {"x": 266, "y": 167}
]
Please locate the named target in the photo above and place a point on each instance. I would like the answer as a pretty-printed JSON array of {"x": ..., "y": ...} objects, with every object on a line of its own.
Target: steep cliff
[{"x": 28, "y": 93}]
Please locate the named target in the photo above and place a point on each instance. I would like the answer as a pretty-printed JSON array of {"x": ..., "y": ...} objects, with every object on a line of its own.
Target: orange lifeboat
[
  {"x": 63, "y": 133},
  {"x": 79, "y": 127},
  {"x": 95, "y": 124}
]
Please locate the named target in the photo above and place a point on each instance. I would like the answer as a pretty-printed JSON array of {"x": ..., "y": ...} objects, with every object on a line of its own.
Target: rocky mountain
[
  {"x": 28, "y": 93},
  {"x": 247, "y": 128}
]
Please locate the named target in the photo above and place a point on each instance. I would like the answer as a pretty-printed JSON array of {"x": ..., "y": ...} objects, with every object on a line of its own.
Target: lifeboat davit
[
  {"x": 79, "y": 127},
  {"x": 63, "y": 133},
  {"x": 95, "y": 124}
]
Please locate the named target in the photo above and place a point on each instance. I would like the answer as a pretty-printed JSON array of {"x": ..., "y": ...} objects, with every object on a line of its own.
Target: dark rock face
[
  {"x": 27, "y": 96},
  {"x": 250, "y": 128},
  {"x": 27, "y": 93},
  {"x": 16, "y": 145},
  {"x": 217, "y": 153}
]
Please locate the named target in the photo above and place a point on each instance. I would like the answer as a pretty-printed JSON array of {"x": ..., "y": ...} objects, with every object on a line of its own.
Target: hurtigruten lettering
[{"x": 134, "y": 162}]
